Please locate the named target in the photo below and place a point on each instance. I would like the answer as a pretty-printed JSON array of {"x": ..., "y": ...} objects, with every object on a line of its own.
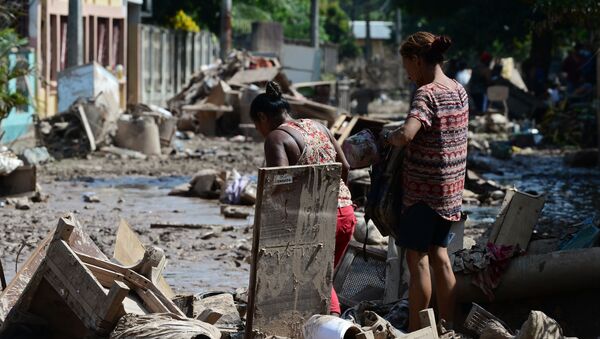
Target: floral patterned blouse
[{"x": 318, "y": 149}]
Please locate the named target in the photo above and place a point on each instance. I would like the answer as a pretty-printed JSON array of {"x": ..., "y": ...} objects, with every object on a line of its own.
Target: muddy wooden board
[
  {"x": 518, "y": 215},
  {"x": 129, "y": 250},
  {"x": 292, "y": 249}
]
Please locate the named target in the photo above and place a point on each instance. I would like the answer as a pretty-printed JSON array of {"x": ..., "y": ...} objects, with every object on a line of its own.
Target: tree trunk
[
  {"x": 225, "y": 28},
  {"x": 368, "y": 31}
]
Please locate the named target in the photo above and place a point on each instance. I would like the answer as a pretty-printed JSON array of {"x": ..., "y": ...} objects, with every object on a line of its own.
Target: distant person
[
  {"x": 433, "y": 173},
  {"x": 363, "y": 96},
  {"x": 463, "y": 75},
  {"x": 304, "y": 142},
  {"x": 481, "y": 79},
  {"x": 571, "y": 66}
]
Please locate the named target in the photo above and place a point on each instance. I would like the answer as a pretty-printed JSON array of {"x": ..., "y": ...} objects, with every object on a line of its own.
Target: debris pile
[
  {"x": 68, "y": 279},
  {"x": 217, "y": 99}
]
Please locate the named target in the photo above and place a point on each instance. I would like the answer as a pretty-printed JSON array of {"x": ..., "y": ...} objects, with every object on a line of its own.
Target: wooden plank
[
  {"x": 347, "y": 130},
  {"x": 129, "y": 250},
  {"x": 424, "y": 333},
  {"x": 335, "y": 128},
  {"x": 87, "y": 128},
  {"x": 292, "y": 250},
  {"x": 514, "y": 225},
  {"x": 392, "y": 273},
  {"x": 427, "y": 318},
  {"x": 80, "y": 289},
  {"x": 112, "y": 309},
  {"x": 254, "y": 75},
  {"x": 105, "y": 277},
  {"x": 141, "y": 282}
]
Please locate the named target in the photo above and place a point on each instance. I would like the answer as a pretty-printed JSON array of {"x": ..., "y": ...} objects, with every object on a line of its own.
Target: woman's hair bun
[
  {"x": 273, "y": 90},
  {"x": 441, "y": 44}
]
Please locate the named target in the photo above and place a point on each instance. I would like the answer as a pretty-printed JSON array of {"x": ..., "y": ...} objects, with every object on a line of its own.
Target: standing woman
[
  {"x": 304, "y": 142},
  {"x": 435, "y": 136}
]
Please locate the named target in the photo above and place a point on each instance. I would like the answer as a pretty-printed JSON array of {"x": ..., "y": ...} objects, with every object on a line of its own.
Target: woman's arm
[
  {"x": 339, "y": 156},
  {"x": 404, "y": 134}
]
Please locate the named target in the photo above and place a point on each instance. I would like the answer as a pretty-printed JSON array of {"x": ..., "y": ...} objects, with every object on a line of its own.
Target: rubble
[
  {"x": 91, "y": 197},
  {"x": 217, "y": 99},
  {"x": 139, "y": 134},
  {"x": 222, "y": 304},
  {"x": 21, "y": 203},
  {"x": 9, "y": 162},
  {"x": 37, "y": 156}
]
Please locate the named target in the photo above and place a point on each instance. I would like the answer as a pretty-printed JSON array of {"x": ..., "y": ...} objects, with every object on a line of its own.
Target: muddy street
[{"x": 215, "y": 256}]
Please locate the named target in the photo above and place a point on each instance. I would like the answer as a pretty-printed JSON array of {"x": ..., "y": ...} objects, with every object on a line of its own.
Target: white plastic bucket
[{"x": 329, "y": 327}]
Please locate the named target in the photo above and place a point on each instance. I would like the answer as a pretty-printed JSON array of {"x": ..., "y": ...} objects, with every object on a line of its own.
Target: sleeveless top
[{"x": 318, "y": 149}]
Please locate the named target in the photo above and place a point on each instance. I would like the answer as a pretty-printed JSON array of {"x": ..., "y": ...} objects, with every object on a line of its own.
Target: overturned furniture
[
  {"x": 293, "y": 246},
  {"x": 68, "y": 280}
]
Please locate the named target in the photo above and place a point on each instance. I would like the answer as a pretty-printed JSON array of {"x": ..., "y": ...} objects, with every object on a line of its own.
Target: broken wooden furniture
[
  {"x": 68, "y": 280},
  {"x": 517, "y": 218},
  {"x": 292, "y": 249},
  {"x": 347, "y": 125}
]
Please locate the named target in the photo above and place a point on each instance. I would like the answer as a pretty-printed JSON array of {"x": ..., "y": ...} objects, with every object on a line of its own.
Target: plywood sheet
[{"x": 293, "y": 246}]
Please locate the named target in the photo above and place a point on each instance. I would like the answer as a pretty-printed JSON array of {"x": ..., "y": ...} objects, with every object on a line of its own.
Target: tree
[{"x": 10, "y": 41}]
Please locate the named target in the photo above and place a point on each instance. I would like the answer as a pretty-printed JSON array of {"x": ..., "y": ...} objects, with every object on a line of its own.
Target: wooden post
[
  {"x": 74, "y": 34},
  {"x": 392, "y": 273},
  {"x": 598, "y": 101},
  {"x": 225, "y": 28},
  {"x": 134, "y": 57},
  {"x": 368, "y": 31},
  {"x": 314, "y": 23}
]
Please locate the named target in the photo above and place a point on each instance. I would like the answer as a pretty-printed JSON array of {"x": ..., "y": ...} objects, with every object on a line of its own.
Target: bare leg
[
  {"x": 445, "y": 282},
  {"x": 419, "y": 291}
]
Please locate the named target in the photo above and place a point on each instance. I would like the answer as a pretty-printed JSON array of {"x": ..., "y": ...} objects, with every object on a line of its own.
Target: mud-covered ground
[
  {"x": 215, "y": 257},
  {"x": 137, "y": 191}
]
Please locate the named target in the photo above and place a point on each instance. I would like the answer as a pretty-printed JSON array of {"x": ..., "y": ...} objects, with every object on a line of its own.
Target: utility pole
[
  {"x": 225, "y": 28},
  {"x": 401, "y": 75},
  {"x": 368, "y": 28},
  {"x": 314, "y": 23},
  {"x": 598, "y": 101},
  {"x": 74, "y": 34}
]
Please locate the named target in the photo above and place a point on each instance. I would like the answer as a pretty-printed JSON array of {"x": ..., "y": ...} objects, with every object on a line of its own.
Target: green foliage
[
  {"x": 502, "y": 27},
  {"x": 9, "y": 41}
]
